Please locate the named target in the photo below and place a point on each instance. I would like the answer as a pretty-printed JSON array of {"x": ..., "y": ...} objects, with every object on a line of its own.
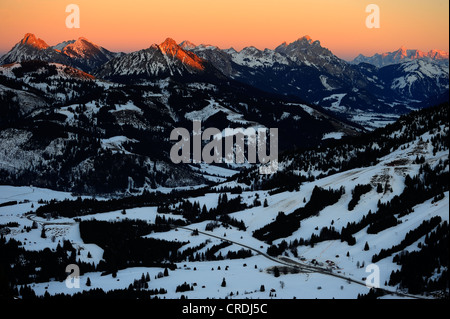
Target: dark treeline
[
  {"x": 210, "y": 253},
  {"x": 326, "y": 233},
  {"x": 97, "y": 293},
  {"x": 184, "y": 287},
  {"x": 284, "y": 225},
  {"x": 80, "y": 207},
  {"x": 416, "y": 275},
  {"x": 410, "y": 238},
  {"x": 194, "y": 213},
  {"x": 429, "y": 183},
  {"x": 373, "y": 293},
  {"x": 124, "y": 245},
  {"x": 191, "y": 253},
  {"x": 35, "y": 266},
  {"x": 357, "y": 192},
  {"x": 240, "y": 254}
]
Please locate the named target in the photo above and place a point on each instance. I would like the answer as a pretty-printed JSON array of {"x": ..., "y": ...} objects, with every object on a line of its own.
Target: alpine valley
[{"x": 87, "y": 180}]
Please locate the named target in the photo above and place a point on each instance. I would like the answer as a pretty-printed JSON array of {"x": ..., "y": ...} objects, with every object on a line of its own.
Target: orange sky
[{"x": 136, "y": 24}]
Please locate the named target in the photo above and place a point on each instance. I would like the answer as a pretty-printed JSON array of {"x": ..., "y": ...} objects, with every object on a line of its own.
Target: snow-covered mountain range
[
  {"x": 302, "y": 68},
  {"x": 80, "y": 53},
  {"x": 402, "y": 55},
  {"x": 87, "y": 178}
]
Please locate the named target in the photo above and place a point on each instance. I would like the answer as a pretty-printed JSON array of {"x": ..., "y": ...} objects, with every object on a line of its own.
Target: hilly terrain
[
  {"x": 381, "y": 199},
  {"x": 87, "y": 181},
  {"x": 364, "y": 91}
]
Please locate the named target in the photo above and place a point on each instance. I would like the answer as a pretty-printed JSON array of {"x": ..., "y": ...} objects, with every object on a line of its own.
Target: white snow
[
  {"x": 244, "y": 277},
  {"x": 323, "y": 80},
  {"x": 115, "y": 143},
  {"x": 333, "y": 135},
  {"x": 127, "y": 107}
]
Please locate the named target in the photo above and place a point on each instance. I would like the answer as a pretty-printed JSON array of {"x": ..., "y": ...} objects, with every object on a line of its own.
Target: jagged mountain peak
[
  {"x": 31, "y": 40},
  {"x": 438, "y": 54},
  {"x": 80, "y": 48},
  {"x": 168, "y": 46},
  {"x": 250, "y": 50},
  {"x": 187, "y": 45},
  {"x": 403, "y": 54},
  {"x": 303, "y": 43},
  {"x": 306, "y": 38},
  {"x": 82, "y": 41}
]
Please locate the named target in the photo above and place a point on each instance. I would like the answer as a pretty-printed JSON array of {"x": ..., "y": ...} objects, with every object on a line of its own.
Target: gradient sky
[{"x": 130, "y": 25}]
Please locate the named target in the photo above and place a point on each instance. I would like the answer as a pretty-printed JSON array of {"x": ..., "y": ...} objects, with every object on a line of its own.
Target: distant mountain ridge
[
  {"x": 402, "y": 55},
  {"x": 305, "y": 69}
]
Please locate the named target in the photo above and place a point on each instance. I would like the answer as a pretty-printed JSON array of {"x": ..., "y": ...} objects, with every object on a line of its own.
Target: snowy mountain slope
[
  {"x": 418, "y": 79},
  {"x": 305, "y": 69},
  {"x": 309, "y": 264},
  {"x": 87, "y": 55},
  {"x": 49, "y": 82},
  {"x": 24, "y": 101},
  {"x": 132, "y": 123},
  {"x": 28, "y": 70}
]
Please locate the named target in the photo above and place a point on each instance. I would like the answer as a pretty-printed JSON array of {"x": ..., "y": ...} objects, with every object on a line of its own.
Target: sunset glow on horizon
[{"x": 133, "y": 25}]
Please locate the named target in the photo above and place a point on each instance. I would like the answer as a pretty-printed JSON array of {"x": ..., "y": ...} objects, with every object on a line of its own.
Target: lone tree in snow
[
  {"x": 43, "y": 235},
  {"x": 276, "y": 272},
  {"x": 366, "y": 246}
]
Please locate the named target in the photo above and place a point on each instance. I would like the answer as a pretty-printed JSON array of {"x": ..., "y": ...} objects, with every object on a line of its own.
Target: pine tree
[
  {"x": 88, "y": 282},
  {"x": 43, "y": 235},
  {"x": 366, "y": 246},
  {"x": 224, "y": 283},
  {"x": 276, "y": 272}
]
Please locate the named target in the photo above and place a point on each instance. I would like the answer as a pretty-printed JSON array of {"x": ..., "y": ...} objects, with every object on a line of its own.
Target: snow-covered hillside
[{"x": 221, "y": 252}]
